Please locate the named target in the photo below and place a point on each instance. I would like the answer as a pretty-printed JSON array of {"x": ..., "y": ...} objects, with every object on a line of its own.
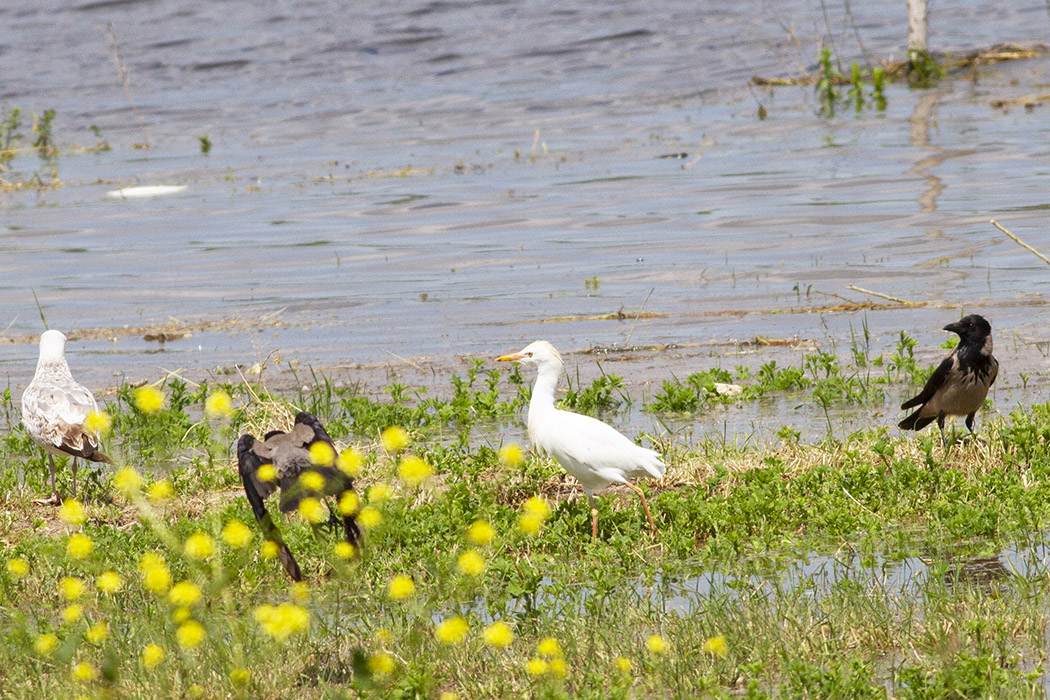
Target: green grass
[{"x": 743, "y": 517}]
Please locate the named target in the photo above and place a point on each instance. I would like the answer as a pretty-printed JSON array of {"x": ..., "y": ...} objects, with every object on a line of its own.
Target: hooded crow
[
  {"x": 960, "y": 384},
  {"x": 285, "y": 461}
]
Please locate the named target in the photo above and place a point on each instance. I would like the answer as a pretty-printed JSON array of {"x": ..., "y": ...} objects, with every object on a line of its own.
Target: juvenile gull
[
  {"x": 593, "y": 452},
  {"x": 54, "y": 407},
  {"x": 284, "y": 461}
]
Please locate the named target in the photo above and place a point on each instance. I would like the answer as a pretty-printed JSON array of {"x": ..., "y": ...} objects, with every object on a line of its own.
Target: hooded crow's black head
[{"x": 972, "y": 329}]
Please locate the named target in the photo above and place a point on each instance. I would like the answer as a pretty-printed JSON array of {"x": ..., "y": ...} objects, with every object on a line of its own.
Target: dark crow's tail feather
[{"x": 914, "y": 422}]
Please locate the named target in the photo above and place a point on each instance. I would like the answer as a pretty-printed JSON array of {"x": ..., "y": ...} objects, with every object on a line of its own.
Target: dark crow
[
  {"x": 283, "y": 461},
  {"x": 960, "y": 384}
]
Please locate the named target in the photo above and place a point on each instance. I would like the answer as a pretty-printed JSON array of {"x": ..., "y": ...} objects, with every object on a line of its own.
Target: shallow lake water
[{"x": 397, "y": 188}]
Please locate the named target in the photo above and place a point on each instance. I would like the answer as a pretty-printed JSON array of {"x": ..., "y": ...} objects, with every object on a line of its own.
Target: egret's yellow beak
[{"x": 513, "y": 357}]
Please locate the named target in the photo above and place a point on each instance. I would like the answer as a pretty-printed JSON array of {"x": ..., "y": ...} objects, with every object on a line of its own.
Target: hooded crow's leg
[
  {"x": 969, "y": 422},
  {"x": 940, "y": 424}
]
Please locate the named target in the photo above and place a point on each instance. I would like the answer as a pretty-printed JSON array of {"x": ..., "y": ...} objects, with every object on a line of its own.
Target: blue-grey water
[{"x": 397, "y": 186}]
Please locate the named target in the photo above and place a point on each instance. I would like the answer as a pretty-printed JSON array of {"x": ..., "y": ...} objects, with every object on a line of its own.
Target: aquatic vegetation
[{"x": 477, "y": 556}]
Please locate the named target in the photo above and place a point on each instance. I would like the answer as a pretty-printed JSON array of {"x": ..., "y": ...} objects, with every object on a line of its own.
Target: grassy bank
[{"x": 899, "y": 597}]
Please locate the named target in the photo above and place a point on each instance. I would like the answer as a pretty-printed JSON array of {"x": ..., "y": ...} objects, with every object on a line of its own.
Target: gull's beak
[{"x": 513, "y": 357}]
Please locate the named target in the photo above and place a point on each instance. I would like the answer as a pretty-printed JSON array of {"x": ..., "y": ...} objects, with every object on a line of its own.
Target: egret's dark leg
[
  {"x": 594, "y": 516},
  {"x": 645, "y": 504}
]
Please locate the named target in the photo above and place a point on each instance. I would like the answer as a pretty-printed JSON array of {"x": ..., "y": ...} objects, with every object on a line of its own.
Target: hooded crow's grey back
[{"x": 961, "y": 382}]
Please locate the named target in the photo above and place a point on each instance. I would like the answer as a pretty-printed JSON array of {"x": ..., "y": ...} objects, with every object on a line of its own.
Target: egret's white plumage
[
  {"x": 54, "y": 407},
  {"x": 593, "y": 452}
]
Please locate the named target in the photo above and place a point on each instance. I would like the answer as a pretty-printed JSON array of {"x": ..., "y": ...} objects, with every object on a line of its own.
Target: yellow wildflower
[
  {"x": 152, "y": 655},
  {"x": 45, "y": 644},
  {"x": 236, "y": 534},
  {"x": 481, "y": 533},
  {"x": 71, "y": 614},
  {"x": 383, "y": 635},
  {"x": 97, "y": 423},
  {"x": 498, "y": 634},
  {"x": 282, "y": 621},
  {"x": 195, "y": 691},
  {"x": 109, "y": 582},
  {"x": 185, "y": 594},
  {"x": 189, "y": 634},
  {"x": 511, "y": 455},
  {"x": 240, "y": 676},
  {"x": 381, "y": 665},
  {"x": 548, "y": 647},
  {"x": 448, "y": 695},
  {"x": 716, "y": 646},
  {"x": 160, "y": 491},
  {"x": 394, "y": 439},
  {"x": 623, "y": 664},
  {"x": 269, "y": 549},
  {"x": 322, "y": 454},
  {"x": 266, "y": 473},
  {"x": 148, "y": 399},
  {"x": 536, "y": 667},
  {"x": 345, "y": 550},
  {"x": 83, "y": 672},
  {"x": 369, "y": 517},
  {"x": 400, "y": 587},
  {"x": 349, "y": 462},
  {"x": 18, "y": 567},
  {"x": 79, "y": 546},
  {"x": 558, "y": 667},
  {"x": 71, "y": 588},
  {"x": 452, "y": 631},
  {"x": 128, "y": 481},
  {"x": 379, "y": 493},
  {"x": 218, "y": 405},
  {"x": 313, "y": 480},
  {"x": 656, "y": 644},
  {"x": 98, "y": 633},
  {"x": 471, "y": 563},
  {"x": 199, "y": 545},
  {"x": 180, "y": 615},
  {"x": 413, "y": 470},
  {"x": 348, "y": 503},
  {"x": 538, "y": 507},
  {"x": 72, "y": 512},
  {"x": 530, "y": 524},
  {"x": 155, "y": 575},
  {"x": 311, "y": 510},
  {"x": 300, "y": 591}
]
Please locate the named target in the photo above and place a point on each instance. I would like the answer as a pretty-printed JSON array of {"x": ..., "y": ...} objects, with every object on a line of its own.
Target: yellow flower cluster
[
  {"x": 344, "y": 550},
  {"x": 657, "y": 644},
  {"x": 155, "y": 575},
  {"x": 381, "y": 664},
  {"x": 72, "y": 512},
  {"x": 349, "y": 462},
  {"x": 481, "y": 533},
  {"x": 71, "y": 614},
  {"x": 236, "y": 534},
  {"x": 348, "y": 503},
  {"x": 98, "y": 423},
  {"x": 511, "y": 455},
  {"x": 71, "y": 588},
  {"x": 498, "y": 634},
  {"x": 45, "y": 644},
  {"x": 190, "y": 634},
  {"x": 148, "y": 399},
  {"x": 322, "y": 454},
  {"x": 369, "y": 517},
  {"x": 18, "y": 567},
  {"x": 452, "y": 631},
  {"x": 311, "y": 510},
  {"x": 394, "y": 439},
  {"x": 160, "y": 491},
  {"x": 536, "y": 512},
  {"x": 152, "y": 655},
  {"x": 98, "y": 633},
  {"x": 548, "y": 660},
  {"x": 380, "y": 493},
  {"x": 282, "y": 621},
  {"x": 128, "y": 481},
  {"x": 400, "y": 587},
  {"x": 109, "y": 582},
  {"x": 79, "y": 546},
  {"x": 413, "y": 470},
  {"x": 199, "y": 545},
  {"x": 471, "y": 563},
  {"x": 218, "y": 405},
  {"x": 185, "y": 594},
  {"x": 83, "y": 672},
  {"x": 716, "y": 646}
]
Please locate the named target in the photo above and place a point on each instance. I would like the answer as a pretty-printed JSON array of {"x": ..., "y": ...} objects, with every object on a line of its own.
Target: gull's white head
[
  {"x": 52, "y": 347},
  {"x": 539, "y": 354}
]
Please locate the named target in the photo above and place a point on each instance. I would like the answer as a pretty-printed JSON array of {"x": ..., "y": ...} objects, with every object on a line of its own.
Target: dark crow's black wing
[
  {"x": 933, "y": 384},
  {"x": 248, "y": 463}
]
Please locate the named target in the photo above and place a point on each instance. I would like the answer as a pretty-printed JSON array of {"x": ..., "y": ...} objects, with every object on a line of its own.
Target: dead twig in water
[
  {"x": 125, "y": 79},
  {"x": 631, "y": 332},
  {"x": 41, "y": 310},
  {"x": 1021, "y": 243},
  {"x": 886, "y": 296}
]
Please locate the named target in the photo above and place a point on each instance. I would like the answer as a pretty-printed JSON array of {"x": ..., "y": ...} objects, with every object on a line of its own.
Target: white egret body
[
  {"x": 593, "y": 452},
  {"x": 54, "y": 407}
]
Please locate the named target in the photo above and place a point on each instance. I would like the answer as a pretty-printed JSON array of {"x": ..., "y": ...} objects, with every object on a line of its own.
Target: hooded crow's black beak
[{"x": 954, "y": 327}]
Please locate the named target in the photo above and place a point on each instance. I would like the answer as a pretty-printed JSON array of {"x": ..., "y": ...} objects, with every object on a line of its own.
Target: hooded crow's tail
[{"x": 914, "y": 422}]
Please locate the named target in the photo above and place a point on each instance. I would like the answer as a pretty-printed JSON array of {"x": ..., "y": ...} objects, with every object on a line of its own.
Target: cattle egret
[
  {"x": 593, "y": 452},
  {"x": 54, "y": 407}
]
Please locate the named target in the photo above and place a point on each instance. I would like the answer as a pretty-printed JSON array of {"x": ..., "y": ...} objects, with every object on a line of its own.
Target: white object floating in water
[{"x": 144, "y": 191}]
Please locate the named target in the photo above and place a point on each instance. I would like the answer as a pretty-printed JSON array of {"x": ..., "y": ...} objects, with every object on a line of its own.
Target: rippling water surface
[{"x": 436, "y": 180}]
